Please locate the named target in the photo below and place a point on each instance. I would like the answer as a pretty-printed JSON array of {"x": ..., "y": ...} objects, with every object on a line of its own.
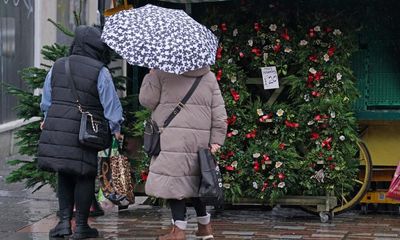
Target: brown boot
[
  {"x": 204, "y": 232},
  {"x": 175, "y": 234}
]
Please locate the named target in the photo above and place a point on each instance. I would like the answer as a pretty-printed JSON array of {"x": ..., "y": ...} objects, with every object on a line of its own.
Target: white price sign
[{"x": 270, "y": 77}]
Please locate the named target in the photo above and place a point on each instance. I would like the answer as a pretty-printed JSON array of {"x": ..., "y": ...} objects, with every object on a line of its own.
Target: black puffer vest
[{"x": 59, "y": 147}]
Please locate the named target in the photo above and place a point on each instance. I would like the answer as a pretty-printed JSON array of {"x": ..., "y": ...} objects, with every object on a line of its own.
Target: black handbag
[
  {"x": 210, "y": 189},
  {"x": 94, "y": 131},
  {"x": 151, "y": 139}
]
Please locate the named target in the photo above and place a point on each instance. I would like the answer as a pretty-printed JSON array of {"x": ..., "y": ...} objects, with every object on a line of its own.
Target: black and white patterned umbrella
[{"x": 160, "y": 38}]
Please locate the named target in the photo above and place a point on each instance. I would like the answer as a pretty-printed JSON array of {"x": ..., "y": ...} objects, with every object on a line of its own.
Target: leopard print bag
[{"x": 116, "y": 178}]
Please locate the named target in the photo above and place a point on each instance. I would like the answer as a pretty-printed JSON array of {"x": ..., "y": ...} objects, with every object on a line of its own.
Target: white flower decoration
[
  {"x": 317, "y": 28},
  {"x": 260, "y": 112},
  {"x": 319, "y": 176},
  {"x": 233, "y": 79},
  {"x": 312, "y": 71},
  {"x": 214, "y": 28},
  {"x": 303, "y": 43},
  {"x": 255, "y": 185},
  {"x": 281, "y": 185},
  {"x": 235, "y": 132},
  {"x": 288, "y": 50},
  {"x": 256, "y": 155},
  {"x": 339, "y": 76},
  {"x": 342, "y": 138},
  {"x": 333, "y": 114},
  {"x": 265, "y": 56},
  {"x": 272, "y": 27},
  {"x": 250, "y": 42},
  {"x": 326, "y": 57},
  {"x": 226, "y": 185},
  {"x": 346, "y": 99},
  {"x": 234, "y": 164},
  {"x": 280, "y": 112},
  {"x": 310, "y": 122},
  {"x": 306, "y": 97},
  {"x": 230, "y": 60},
  {"x": 271, "y": 177},
  {"x": 337, "y": 32},
  {"x": 235, "y": 32},
  {"x": 278, "y": 164}
]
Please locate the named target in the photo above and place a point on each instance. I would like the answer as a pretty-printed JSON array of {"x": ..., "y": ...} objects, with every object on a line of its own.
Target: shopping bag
[
  {"x": 210, "y": 189},
  {"x": 115, "y": 177},
  {"x": 394, "y": 189}
]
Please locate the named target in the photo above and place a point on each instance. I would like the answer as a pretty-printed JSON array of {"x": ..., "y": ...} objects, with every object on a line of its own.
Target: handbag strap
[
  {"x": 72, "y": 84},
  {"x": 182, "y": 103}
]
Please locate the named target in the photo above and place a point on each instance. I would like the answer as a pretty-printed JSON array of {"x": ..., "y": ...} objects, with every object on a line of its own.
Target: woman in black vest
[{"x": 59, "y": 148}]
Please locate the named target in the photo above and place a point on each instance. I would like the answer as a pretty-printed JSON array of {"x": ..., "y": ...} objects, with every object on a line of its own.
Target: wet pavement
[
  {"x": 30, "y": 216},
  {"x": 19, "y": 207},
  {"x": 146, "y": 222}
]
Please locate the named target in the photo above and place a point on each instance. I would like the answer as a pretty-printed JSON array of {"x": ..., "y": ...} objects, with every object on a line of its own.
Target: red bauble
[
  {"x": 281, "y": 176},
  {"x": 235, "y": 95},
  {"x": 223, "y": 27},
  {"x": 277, "y": 47},
  {"x": 231, "y": 120},
  {"x": 266, "y": 158},
  {"x": 219, "y": 53},
  {"x": 313, "y": 58},
  {"x": 314, "y": 136},
  {"x": 219, "y": 75},
  {"x": 144, "y": 175},
  {"x": 256, "y": 51},
  {"x": 229, "y": 134},
  {"x": 317, "y": 117},
  {"x": 311, "y": 33},
  {"x": 229, "y": 168},
  {"x": 241, "y": 55},
  {"x": 332, "y": 166},
  {"x": 331, "y": 51},
  {"x": 285, "y": 35},
  {"x": 282, "y": 146},
  {"x": 257, "y": 27},
  {"x": 318, "y": 76},
  {"x": 256, "y": 166},
  {"x": 315, "y": 93}
]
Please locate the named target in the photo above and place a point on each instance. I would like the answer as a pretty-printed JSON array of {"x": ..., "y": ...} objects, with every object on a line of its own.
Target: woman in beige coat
[{"x": 174, "y": 173}]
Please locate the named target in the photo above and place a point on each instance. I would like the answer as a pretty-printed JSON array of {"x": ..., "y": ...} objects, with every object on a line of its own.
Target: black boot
[
  {"x": 63, "y": 228},
  {"x": 83, "y": 230}
]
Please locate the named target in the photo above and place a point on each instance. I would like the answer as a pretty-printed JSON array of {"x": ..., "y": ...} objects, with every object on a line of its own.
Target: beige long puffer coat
[{"x": 175, "y": 173}]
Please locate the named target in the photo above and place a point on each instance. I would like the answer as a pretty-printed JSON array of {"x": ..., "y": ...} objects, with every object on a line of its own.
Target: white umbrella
[{"x": 160, "y": 38}]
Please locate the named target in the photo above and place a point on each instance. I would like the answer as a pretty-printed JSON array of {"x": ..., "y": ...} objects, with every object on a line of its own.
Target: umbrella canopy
[{"x": 160, "y": 38}]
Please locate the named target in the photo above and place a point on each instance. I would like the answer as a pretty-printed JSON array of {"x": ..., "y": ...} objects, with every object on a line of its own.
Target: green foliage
[{"x": 304, "y": 144}]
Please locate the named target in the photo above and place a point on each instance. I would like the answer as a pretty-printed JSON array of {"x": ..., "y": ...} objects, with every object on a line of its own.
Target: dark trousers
[
  {"x": 75, "y": 190},
  {"x": 178, "y": 208}
]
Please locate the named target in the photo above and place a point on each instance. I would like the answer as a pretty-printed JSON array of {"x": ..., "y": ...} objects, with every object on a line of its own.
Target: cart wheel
[
  {"x": 325, "y": 217},
  {"x": 364, "y": 209},
  {"x": 361, "y": 186}
]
